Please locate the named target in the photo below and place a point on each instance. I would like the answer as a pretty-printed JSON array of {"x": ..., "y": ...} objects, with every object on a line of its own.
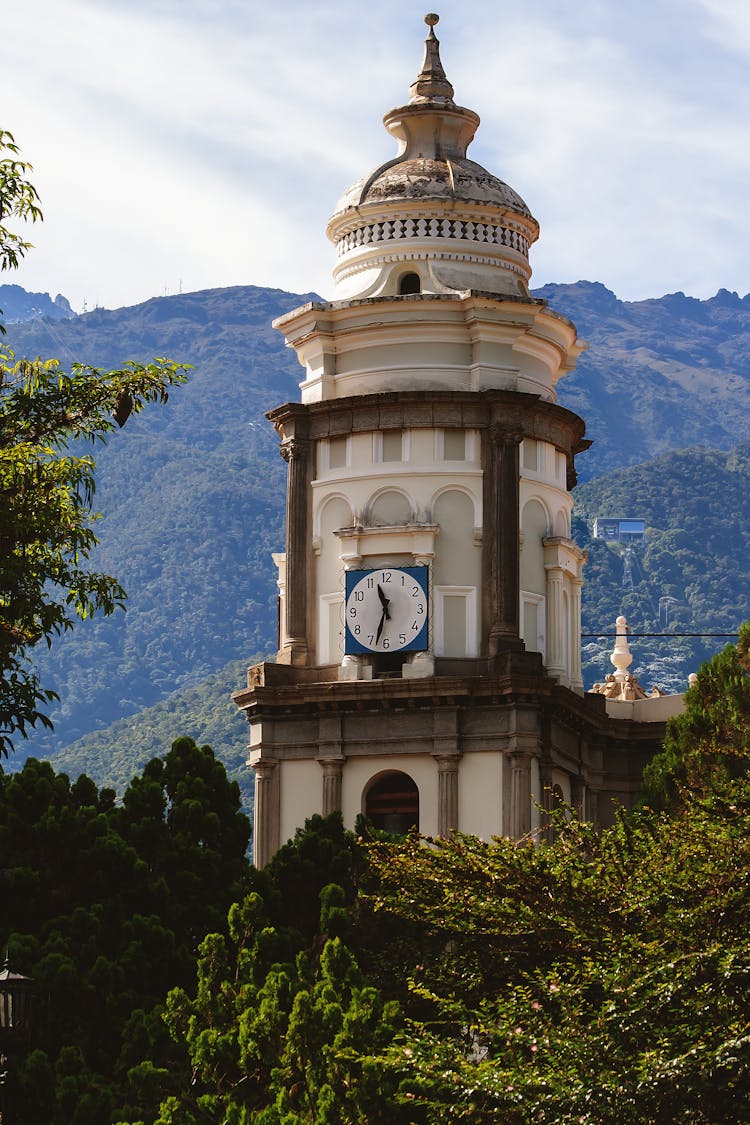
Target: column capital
[
  {"x": 447, "y": 763},
  {"x": 502, "y": 434},
  {"x": 265, "y": 766},
  {"x": 295, "y": 448},
  {"x": 332, "y": 766}
]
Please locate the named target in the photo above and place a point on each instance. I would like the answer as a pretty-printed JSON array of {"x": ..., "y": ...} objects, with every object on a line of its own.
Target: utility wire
[{"x": 629, "y": 635}]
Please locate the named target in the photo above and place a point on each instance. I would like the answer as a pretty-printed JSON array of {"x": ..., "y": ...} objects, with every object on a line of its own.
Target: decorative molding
[{"x": 394, "y": 230}]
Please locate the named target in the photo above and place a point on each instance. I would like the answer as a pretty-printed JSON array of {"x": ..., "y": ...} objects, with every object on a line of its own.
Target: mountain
[
  {"x": 193, "y": 493},
  {"x": 660, "y": 374},
  {"x": 689, "y": 575},
  {"x": 18, "y": 305},
  {"x": 203, "y": 712}
]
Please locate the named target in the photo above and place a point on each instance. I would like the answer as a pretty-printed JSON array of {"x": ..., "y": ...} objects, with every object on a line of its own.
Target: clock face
[{"x": 386, "y": 609}]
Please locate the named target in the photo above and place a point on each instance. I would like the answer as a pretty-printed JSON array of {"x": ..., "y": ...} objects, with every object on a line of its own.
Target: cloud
[{"x": 207, "y": 141}]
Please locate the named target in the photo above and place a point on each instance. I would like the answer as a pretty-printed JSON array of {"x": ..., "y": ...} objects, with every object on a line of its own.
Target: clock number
[
  {"x": 415, "y": 592},
  {"x": 386, "y": 576},
  {"x": 386, "y": 643},
  {"x": 370, "y": 583},
  {"x": 357, "y": 629},
  {"x": 371, "y": 639},
  {"x": 420, "y": 608},
  {"x": 414, "y": 627},
  {"x": 359, "y": 595},
  {"x": 353, "y": 611},
  {"x": 402, "y": 638}
]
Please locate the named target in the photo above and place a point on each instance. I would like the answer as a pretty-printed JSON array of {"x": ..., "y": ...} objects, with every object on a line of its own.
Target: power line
[{"x": 585, "y": 636}]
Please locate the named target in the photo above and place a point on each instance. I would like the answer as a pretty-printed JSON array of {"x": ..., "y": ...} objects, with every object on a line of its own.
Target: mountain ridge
[{"x": 193, "y": 493}]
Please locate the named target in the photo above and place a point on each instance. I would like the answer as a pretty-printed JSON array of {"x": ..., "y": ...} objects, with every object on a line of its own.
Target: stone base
[{"x": 421, "y": 666}]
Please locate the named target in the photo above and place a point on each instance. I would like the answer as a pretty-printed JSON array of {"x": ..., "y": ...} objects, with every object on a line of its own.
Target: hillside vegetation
[
  {"x": 690, "y": 574},
  {"x": 193, "y": 496}
]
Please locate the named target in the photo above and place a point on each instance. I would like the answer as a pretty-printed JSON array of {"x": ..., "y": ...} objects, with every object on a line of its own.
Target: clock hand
[
  {"x": 380, "y": 626},
  {"x": 385, "y": 602}
]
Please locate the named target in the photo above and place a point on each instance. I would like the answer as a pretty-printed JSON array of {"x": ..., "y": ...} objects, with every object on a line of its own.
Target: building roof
[{"x": 433, "y": 134}]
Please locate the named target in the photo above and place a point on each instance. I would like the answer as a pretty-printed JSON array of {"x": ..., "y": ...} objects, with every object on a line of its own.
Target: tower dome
[{"x": 431, "y": 220}]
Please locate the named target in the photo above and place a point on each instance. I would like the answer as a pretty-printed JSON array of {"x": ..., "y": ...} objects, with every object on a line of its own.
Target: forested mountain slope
[
  {"x": 193, "y": 497},
  {"x": 660, "y": 374},
  {"x": 690, "y": 575},
  {"x": 193, "y": 493}
]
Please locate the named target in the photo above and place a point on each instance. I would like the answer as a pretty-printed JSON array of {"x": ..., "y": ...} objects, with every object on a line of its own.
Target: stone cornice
[{"x": 510, "y": 413}]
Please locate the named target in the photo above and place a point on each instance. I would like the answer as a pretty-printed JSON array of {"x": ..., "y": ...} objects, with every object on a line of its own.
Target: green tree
[
  {"x": 284, "y": 1028},
  {"x": 105, "y": 906},
  {"x": 18, "y": 201},
  {"x": 598, "y": 979},
  {"x": 47, "y": 483},
  {"x": 710, "y": 741}
]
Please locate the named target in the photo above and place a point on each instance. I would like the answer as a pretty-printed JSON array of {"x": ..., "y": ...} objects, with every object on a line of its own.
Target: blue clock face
[{"x": 387, "y": 610}]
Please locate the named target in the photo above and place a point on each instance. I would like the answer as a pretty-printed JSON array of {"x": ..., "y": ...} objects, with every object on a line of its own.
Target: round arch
[
  {"x": 562, "y": 524},
  {"x": 389, "y": 507},
  {"x": 390, "y": 801},
  {"x": 465, "y": 490},
  {"x": 409, "y": 283},
  {"x": 531, "y": 519},
  {"x": 343, "y": 515}
]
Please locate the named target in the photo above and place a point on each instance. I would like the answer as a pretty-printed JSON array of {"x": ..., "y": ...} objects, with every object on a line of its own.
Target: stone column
[
  {"x": 555, "y": 631},
  {"x": 576, "y": 673},
  {"x": 267, "y": 814},
  {"x": 296, "y": 452},
  {"x": 333, "y": 769},
  {"x": 501, "y": 539},
  {"x": 520, "y": 796},
  {"x": 447, "y": 793}
]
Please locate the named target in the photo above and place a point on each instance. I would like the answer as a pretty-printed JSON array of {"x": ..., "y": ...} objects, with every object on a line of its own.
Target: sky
[{"x": 192, "y": 144}]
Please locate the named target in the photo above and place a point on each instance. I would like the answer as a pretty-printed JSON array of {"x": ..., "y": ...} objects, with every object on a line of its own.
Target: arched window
[
  {"x": 392, "y": 803},
  {"x": 409, "y": 283}
]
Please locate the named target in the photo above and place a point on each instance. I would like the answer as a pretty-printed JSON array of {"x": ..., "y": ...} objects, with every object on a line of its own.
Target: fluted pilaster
[
  {"x": 297, "y": 453},
  {"x": 266, "y": 822}
]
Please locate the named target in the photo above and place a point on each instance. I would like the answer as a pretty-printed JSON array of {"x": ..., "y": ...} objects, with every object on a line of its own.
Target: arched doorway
[{"x": 392, "y": 803}]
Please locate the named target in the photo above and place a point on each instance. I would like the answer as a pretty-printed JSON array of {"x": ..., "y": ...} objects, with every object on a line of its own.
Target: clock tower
[{"x": 428, "y": 671}]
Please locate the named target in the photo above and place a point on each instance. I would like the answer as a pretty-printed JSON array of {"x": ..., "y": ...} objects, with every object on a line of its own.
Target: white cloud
[{"x": 207, "y": 140}]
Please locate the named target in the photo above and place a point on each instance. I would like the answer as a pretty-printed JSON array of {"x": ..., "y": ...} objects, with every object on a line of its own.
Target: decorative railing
[{"x": 392, "y": 230}]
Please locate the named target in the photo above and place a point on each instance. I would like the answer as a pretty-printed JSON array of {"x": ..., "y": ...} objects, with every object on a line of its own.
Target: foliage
[
  {"x": 104, "y": 906},
  {"x": 710, "y": 742},
  {"x": 282, "y": 1020},
  {"x": 46, "y": 484},
  {"x": 601, "y": 978},
  {"x": 204, "y": 711},
  {"x": 18, "y": 201},
  {"x": 194, "y": 507},
  {"x": 46, "y": 519}
]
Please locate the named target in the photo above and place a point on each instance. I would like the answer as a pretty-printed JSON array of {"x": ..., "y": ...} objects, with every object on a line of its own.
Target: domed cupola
[{"x": 431, "y": 220}]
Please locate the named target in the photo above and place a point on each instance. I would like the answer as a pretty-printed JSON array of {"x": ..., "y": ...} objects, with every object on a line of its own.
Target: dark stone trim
[{"x": 517, "y": 413}]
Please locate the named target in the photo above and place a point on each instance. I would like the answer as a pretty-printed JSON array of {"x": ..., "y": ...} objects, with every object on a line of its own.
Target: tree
[
  {"x": 598, "y": 979},
  {"x": 47, "y": 482},
  {"x": 283, "y": 1026},
  {"x": 105, "y": 905},
  {"x": 710, "y": 741},
  {"x": 18, "y": 200}
]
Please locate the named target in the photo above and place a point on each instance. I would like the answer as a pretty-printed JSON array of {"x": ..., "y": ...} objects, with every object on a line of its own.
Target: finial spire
[{"x": 431, "y": 83}]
